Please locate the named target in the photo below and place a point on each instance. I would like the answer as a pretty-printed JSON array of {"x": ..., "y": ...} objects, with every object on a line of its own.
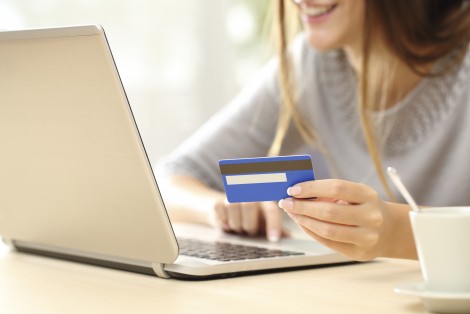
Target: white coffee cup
[{"x": 442, "y": 236}]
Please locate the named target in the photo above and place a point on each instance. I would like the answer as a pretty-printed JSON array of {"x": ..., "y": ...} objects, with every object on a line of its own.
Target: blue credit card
[{"x": 264, "y": 178}]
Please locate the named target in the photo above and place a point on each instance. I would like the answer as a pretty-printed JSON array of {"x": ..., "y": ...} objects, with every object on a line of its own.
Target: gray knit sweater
[{"x": 428, "y": 132}]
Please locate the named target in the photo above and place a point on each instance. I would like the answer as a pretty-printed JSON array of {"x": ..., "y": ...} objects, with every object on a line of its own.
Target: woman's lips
[{"x": 315, "y": 14}]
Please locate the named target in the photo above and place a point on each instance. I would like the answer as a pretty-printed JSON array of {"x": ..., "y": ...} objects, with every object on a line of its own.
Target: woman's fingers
[
  {"x": 239, "y": 217},
  {"x": 273, "y": 220},
  {"x": 346, "y": 249},
  {"x": 338, "y": 233},
  {"x": 221, "y": 217},
  {"x": 334, "y": 212},
  {"x": 350, "y": 192},
  {"x": 250, "y": 218},
  {"x": 234, "y": 217}
]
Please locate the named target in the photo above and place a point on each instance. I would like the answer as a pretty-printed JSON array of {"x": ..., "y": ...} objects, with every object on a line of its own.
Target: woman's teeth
[{"x": 316, "y": 11}]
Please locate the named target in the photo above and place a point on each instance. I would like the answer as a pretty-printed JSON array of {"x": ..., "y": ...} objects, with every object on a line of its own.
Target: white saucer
[{"x": 439, "y": 302}]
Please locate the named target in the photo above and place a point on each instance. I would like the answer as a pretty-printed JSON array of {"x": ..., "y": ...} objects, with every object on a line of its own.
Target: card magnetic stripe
[{"x": 259, "y": 167}]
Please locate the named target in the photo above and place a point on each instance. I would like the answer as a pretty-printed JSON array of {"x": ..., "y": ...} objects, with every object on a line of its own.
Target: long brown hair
[{"x": 416, "y": 33}]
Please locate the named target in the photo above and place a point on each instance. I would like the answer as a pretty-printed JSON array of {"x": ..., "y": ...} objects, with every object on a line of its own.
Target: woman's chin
[
  {"x": 322, "y": 41},
  {"x": 322, "y": 45}
]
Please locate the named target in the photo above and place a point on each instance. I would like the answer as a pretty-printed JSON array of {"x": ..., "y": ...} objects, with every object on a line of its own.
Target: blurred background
[{"x": 180, "y": 61}]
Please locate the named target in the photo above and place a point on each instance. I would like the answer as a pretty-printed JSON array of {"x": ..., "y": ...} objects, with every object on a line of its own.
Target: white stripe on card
[{"x": 256, "y": 178}]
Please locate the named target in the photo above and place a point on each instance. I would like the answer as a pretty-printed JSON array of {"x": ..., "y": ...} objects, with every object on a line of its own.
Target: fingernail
[
  {"x": 273, "y": 235},
  {"x": 286, "y": 204},
  {"x": 294, "y": 190}
]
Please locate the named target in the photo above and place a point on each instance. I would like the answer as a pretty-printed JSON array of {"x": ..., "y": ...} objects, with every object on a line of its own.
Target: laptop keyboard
[{"x": 221, "y": 251}]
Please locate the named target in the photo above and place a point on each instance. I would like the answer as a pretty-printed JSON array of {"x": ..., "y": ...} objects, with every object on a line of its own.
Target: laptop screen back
[{"x": 73, "y": 170}]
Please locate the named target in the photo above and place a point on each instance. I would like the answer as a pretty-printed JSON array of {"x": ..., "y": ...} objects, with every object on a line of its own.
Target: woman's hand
[
  {"x": 190, "y": 200},
  {"x": 349, "y": 218},
  {"x": 262, "y": 218}
]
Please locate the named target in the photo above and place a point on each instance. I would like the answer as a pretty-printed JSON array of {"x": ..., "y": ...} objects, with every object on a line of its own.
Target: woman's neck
[{"x": 405, "y": 79}]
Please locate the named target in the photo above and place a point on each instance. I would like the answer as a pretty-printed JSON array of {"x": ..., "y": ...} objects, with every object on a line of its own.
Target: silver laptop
[{"x": 75, "y": 180}]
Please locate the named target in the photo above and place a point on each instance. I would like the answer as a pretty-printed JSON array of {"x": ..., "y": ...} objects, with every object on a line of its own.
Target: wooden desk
[{"x": 33, "y": 284}]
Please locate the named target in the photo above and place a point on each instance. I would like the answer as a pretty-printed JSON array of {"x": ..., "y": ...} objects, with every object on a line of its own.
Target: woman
[{"x": 368, "y": 84}]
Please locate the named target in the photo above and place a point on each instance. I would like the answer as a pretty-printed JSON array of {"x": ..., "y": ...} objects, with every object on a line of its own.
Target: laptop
[{"x": 76, "y": 182}]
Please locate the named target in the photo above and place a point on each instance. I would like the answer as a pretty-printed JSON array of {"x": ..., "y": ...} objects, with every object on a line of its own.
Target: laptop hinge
[
  {"x": 8, "y": 242},
  {"x": 159, "y": 271}
]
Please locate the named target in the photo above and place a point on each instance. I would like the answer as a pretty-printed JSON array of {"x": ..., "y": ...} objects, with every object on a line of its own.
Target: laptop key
[{"x": 221, "y": 251}]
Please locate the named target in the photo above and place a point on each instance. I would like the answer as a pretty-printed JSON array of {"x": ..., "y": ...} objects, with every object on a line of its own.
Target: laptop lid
[{"x": 73, "y": 170}]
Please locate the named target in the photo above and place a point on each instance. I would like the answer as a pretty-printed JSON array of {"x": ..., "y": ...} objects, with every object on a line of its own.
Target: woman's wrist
[{"x": 400, "y": 242}]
